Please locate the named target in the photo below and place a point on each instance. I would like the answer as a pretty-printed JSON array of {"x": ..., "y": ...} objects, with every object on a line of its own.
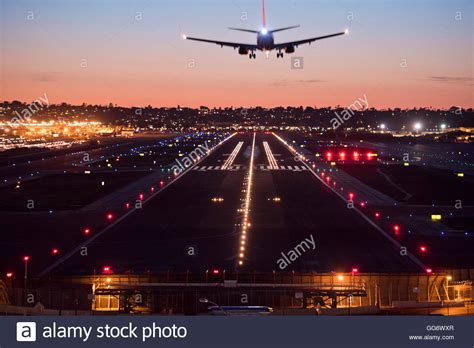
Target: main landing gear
[{"x": 252, "y": 55}]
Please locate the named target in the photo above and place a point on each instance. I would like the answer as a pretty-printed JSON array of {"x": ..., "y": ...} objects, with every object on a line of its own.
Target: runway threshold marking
[
  {"x": 271, "y": 159},
  {"x": 232, "y": 156},
  {"x": 358, "y": 211},
  {"x": 73, "y": 252}
]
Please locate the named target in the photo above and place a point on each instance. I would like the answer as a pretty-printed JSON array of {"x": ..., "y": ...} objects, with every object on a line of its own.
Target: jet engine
[
  {"x": 290, "y": 49},
  {"x": 243, "y": 50}
]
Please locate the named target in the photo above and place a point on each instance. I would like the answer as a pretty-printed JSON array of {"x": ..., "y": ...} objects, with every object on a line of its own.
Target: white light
[
  {"x": 417, "y": 126},
  {"x": 382, "y": 126},
  {"x": 346, "y": 31},
  {"x": 184, "y": 37},
  {"x": 443, "y": 126},
  {"x": 264, "y": 31}
]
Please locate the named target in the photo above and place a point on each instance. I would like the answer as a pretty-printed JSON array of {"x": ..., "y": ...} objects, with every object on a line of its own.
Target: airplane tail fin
[
  {"x": 264, "y": 19},
  {"x": 286, "y": 28}
]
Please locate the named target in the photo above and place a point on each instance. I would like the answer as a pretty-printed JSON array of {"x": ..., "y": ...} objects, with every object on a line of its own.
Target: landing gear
[
  {"x": 279, "y": 54},
  {"x": 252, "y": 55}
]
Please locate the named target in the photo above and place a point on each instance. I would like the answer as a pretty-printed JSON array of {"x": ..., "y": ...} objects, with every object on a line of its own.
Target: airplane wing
[
  {"x": 306, "y": 41},
  {"x": 224, "y": 43}
]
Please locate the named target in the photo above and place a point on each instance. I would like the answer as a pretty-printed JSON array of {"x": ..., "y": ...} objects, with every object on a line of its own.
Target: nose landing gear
[{"x": 280, "y": 54}]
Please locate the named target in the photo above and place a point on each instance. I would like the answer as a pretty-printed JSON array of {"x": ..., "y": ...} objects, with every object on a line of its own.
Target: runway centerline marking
[{"x": 245, "y": 224}]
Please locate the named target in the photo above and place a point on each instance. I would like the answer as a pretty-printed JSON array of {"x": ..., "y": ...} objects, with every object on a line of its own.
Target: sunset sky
[{"x": 135, "y": 55}]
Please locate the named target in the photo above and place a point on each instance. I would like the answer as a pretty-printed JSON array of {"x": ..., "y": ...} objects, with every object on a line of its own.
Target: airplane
[{"x": 265, "y": 40}]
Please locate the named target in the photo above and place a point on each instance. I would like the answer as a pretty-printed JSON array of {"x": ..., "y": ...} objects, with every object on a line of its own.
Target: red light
[
  {"x": 110, "y": 216},
  {"x": 396, "y": 228},
  {"x": 351, "y": 196},
  {"x": 54, "y": 251},
  {"x": 342, "y": 156},
  {"x": 323, "y": 174},
  {"x": 355, "y": 270},
  {"x": 423, "y": 249},
  {"x": 107, "y": 270},
  {"x": 356, "y": 155},
  {"x": 162, "y": 182},
  {"x": 87, "y": 230},
  {"x": 429, "y": 270},
  {"x": 215, "y": 271},
  {"x": 377, "y": 215},
  {"x": 369, "y": 155},
  {"x": 152, "y": 189},
  {"x": 9, "y": 274},
  {"x": 127, "y": 205},
  {"x": 362, "y": 204},
  {"x": 328, "y": 156},
  {"x": 26, "y": 258},
  {"x": 328, "y": 179},
  {"x": 140, "y": 196}
]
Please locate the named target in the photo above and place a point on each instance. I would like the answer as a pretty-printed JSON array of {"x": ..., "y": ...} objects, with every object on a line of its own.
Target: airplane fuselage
[{"x": 265, "y": 41}]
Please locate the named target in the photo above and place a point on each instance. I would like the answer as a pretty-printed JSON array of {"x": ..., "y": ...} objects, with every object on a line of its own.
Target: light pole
[{"x": 205, "y": 300}]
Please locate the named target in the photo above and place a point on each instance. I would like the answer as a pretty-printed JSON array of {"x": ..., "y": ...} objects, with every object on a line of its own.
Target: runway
[{"x": 196, "y": 224}]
